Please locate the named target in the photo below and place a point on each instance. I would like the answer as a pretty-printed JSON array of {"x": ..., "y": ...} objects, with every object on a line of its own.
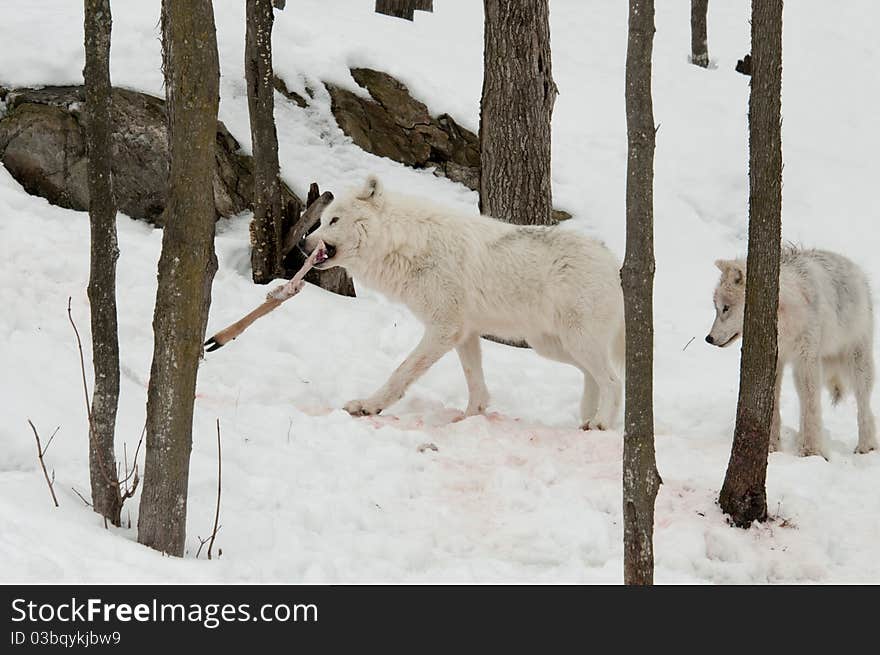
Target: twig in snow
[
  {"x": 82, "y": 368},
  {"x": 687, "y": 344},
  {"x": 210, "y": 538},
  {"x": 129, "y": 490},
  {"x": 88, "y": 504},
  {"x": 219, "y": 479},
  {"x": 40, "y": 452},
  {"x": 117, "y": 484}
]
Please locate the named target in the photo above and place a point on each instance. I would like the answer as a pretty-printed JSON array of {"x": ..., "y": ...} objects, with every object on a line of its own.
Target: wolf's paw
[
  {"x": 475, "y": 410},
  {"x": 362, "y": 408},
  {"x": 775, "y": 445},
  {"x": 864, "y": 448},
  {"x": 592, "y": 425},
  {"x": 810, "y": 451}
]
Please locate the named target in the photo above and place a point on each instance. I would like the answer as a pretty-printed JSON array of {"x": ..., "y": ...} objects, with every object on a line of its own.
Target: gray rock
[
  {"x": 395, "y": 125},
  {"x": 42, "y": 146}
]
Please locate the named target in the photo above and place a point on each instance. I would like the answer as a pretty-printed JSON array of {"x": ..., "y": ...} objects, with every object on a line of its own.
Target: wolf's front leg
[
  {"x": 807, "y": 374},
  {"x": 434, "y": 344}
]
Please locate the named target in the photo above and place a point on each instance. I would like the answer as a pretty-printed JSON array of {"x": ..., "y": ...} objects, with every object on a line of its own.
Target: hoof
[{"x": 361, "y": 408}]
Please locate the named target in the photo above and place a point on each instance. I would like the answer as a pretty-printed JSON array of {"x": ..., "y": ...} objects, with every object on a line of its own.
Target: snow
[{"x": 313, "y": 495}]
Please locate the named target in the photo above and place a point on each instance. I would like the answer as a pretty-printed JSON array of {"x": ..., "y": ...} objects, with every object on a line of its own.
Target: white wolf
[
  {"x": 826, "y": 328},
  {"x": 464, "y": 276}
]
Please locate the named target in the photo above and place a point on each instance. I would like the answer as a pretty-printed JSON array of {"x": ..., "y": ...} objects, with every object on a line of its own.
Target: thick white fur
[
  {"x": 464, "y": 276},
  {"x": 826, "y": 331}
]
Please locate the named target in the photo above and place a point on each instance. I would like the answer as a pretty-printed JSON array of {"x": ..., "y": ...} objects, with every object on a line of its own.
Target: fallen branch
[
  {"x": 40, "y": 452},
  {"x": 273, "y": 300},
  {"x": 315, "y": 205}
]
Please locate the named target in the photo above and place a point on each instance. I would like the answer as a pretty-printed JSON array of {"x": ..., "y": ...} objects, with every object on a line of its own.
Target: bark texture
[
  {"x": 641, "y": 480},
  {"x": 403, "y": 8},
  {"x": 104, "y": 253},
  {"x": 515, "y": 112},
  {"x": 699, "y": 37},
  {"x": 266, "y": 234},
  {"x": 744, "y": 494},
  {"x": 186, "y": 266}
]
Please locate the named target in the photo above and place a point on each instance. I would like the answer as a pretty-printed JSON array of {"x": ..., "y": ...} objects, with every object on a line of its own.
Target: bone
[{"x": 274, "y": 299}]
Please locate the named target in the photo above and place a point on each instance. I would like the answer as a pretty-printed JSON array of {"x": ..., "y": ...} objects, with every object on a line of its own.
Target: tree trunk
[
  {"x": 104, "y": 253},
  {"x": 515, "y": 112},
  {"x": 403, "y": 8},
  {"x": 266, "y": 234},
  {"x": 699, "y": 38},
  {"x": 641, "y": 480},
  {"x": 744, "y": 494},
  {"x": 192, "y": 76}
]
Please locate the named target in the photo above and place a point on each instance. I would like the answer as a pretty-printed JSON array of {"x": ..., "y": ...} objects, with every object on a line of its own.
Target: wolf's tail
[{"x": 835, "y": 374}]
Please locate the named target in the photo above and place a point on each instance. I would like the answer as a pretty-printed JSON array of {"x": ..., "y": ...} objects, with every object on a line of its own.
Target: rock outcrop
[
  {"x": 42, "y": 145},
  {"x": 395, "y": 125}
]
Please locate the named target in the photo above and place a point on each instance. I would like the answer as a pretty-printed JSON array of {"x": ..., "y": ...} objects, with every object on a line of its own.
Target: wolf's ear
[
  {"x": 372, "y": 190},
  {"x": 731, "y": 269}
]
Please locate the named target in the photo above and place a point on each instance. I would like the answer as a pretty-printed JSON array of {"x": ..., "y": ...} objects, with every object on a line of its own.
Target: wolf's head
[
  {"x": 730, "y": 301},
  {"x": 345, "y": 224}
]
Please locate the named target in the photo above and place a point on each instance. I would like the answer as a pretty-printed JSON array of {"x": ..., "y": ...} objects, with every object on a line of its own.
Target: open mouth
[{"x": 324, "y": 255}]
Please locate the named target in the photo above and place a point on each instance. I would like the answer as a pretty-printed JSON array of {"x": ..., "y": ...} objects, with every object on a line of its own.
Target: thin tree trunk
[
  {"x": 403, "y": 8},
  {"x": 744, "y": 494},
  {"x": 641, "y": 480},
  {"x": 104, "y": 253},
  {"x": 192, "y": 76},
  {"x": 515, "y": 112},
  {"x": 266, "y": 234},
  {"x": 699, "y": 38}
]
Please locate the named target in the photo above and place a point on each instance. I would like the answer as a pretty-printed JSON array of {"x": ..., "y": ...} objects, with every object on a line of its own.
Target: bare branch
[
  {"x": 219, "y": 479},
  {"x": 82, "y": 366},
  {"x": 49, "y": 443},
  {"x": 88, "y": 504},
  {"x": 40, "y": 453}
]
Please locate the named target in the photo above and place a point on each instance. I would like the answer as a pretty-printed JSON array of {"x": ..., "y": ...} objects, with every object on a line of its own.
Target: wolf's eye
[
  {"x": 333, "y": 220},
  {"x": 725, "y": 309}
]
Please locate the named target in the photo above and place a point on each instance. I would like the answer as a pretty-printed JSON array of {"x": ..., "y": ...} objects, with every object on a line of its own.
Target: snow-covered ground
[{"x": 313, "y": 495}]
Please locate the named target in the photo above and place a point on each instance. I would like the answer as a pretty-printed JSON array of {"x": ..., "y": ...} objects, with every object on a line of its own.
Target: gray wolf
[
  {"x": 825, "y": 331},
  {"x": 464, "y": 276}
]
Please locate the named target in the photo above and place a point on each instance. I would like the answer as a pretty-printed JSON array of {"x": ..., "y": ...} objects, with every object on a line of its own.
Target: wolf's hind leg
[
  {"x": 593, "y": 356},
  {"x": 551, "y": 347},
  {"x": 776, "y": 422},
  {"x": 471, "y": 357},
  {"x": 862, "y": 363}
]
